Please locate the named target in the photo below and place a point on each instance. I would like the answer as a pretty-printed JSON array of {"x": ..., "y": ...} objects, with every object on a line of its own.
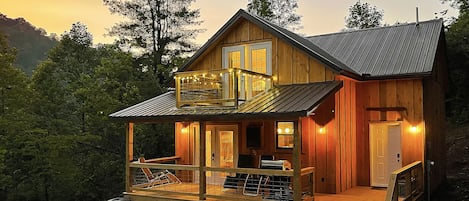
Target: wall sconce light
[
  {"x": 185, "y": 127},
  {"x": 414, "y": 129},
  {"x": 322, "y": 130}
]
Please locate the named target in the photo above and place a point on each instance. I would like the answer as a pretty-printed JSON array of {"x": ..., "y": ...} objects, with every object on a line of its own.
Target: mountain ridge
[{"x": 32, "y": 43}]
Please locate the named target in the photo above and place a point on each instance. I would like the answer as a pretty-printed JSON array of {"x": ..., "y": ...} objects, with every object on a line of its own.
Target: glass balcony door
[{"x": 221, "y": 150}]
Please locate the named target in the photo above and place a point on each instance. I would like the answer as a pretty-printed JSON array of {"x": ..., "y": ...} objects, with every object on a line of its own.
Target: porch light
[
  {"x": 414, "y": 129},
  {"x": 322, "y": 130},
  {"x": 184, "y": 129}
]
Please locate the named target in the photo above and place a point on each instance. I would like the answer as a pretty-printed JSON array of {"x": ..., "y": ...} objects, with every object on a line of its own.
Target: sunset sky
[{"x": 319, "y": 16}]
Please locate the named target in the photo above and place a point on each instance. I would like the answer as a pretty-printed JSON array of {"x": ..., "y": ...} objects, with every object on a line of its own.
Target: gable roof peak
[{"x": 292, "y": 38}]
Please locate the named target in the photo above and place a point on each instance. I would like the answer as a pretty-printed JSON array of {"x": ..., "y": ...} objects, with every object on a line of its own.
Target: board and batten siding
[
  {"x": 404, "y": 93},
  {"x": 434, "y": 114},
  {"x": 289, "y": 64}
]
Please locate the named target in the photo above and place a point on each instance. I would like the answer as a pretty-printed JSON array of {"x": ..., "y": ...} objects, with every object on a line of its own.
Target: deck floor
[
  {"x": 358, "y": 193},
  {"x": 354, "y": 194}
]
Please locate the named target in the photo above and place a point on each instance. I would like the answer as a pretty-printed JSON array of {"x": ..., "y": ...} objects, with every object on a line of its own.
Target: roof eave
[{"x": 398, "y": 76}]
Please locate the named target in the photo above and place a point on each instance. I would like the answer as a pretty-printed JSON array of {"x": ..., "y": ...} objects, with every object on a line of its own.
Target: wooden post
[
  {"x": 178, "y": 91},
  {"x": 202, "y": 178},
  {"x": 235, "y": 88},
  {"x": 312, "y": 183},
  {"x": 129, "y": 152},
  {"x": 297, "y": 161}
]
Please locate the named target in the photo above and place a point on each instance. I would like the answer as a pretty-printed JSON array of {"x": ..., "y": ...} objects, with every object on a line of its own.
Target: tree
[
  {"x": 58, "y": 79},
  {"x": 457, "y": 42},
  {"x": 157, "y": 31},
  {"x": 462, "y": 5},
  {"x": 14, "y": 107},
  {"x": 363, "y": 16},
  {"x": 280, "y": 12}
]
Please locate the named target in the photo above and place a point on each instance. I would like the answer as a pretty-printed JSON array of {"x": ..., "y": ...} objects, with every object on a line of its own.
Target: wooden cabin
[{"x": 320, "y": 114}]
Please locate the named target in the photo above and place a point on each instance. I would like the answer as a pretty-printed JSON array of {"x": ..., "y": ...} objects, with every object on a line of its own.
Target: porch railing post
[
  {"x": 235, "y": 88},
  {"x": 202, "y": 178},
  {"x": 129, "y": 152},
  {"x": 297, "y": 161},
  {"x": 178, "y": 91}
]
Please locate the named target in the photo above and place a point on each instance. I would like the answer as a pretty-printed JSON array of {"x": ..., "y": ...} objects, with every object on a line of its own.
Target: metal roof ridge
[{"x": 375, "y": 28}]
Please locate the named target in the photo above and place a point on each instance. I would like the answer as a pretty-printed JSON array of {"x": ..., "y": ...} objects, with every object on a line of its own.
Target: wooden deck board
[
  {"x": 357, "y": 193},
  {"x": 354, "y": 194}
]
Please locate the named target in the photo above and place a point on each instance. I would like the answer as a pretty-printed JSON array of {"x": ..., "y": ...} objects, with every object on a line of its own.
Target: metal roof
[
  {"x": 285, "y": 101},
  {"x": 400, "y": 50}
]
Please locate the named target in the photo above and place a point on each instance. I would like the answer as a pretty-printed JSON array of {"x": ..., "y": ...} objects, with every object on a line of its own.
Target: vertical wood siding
[
  {"x": 289, "y": 64},
  {"x": 405, "y": 93}
]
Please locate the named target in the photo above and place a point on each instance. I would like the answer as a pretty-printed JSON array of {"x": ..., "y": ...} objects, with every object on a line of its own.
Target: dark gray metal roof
[
  {"x": 286, "y": 101},
  {"x": 400, "y": 50},
  {"x": 293, "y": 39}
]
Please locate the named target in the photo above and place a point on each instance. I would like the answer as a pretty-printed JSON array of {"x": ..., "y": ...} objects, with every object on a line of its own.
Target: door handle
[{"x": 213, "y": 156}]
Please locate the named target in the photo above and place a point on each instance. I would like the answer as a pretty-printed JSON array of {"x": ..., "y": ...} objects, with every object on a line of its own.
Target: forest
[{"x": 56, "y": 140}]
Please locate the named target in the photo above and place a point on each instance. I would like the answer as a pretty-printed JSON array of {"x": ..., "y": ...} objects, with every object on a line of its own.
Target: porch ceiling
[{"x": 285, "y": 101}]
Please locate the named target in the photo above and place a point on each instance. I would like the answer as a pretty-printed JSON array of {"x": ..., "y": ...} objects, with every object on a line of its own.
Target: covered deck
[{"x": 196, "y": 173}]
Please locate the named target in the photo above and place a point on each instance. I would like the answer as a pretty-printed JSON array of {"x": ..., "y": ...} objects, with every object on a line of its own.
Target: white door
[
  {"x": 385, "y": 152},
  {"x": 221, "y": 150}
]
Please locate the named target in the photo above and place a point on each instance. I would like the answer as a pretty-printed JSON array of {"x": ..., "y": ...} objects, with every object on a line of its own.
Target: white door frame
[
  {"x": 214, "y": 130},
  {"x": 385, "y": 151}
]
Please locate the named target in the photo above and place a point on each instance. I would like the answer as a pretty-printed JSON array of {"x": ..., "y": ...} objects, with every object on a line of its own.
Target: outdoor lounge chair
[
  {"x": 253, "y": 183},
  {"x": 148, "y": 179},
  {"x": 234, "y": 182}
]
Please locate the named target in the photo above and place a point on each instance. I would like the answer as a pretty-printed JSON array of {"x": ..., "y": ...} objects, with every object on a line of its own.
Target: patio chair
[
  {"x": 253, "y": 182},
  {"x": 234, "y": 182},
  {"x": 149, "y": 179}
]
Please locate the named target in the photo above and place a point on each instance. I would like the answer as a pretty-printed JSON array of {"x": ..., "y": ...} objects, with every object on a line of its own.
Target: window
[
  {"x": 255, "y": 57},
  {"x": 285, "y": 130}
]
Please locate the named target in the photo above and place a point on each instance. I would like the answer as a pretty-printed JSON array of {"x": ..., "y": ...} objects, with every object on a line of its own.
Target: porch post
[
  {"x": 202, "y": 178},
  {"x": 129, "y": 152},
  {"x": 297, "y": 161}
]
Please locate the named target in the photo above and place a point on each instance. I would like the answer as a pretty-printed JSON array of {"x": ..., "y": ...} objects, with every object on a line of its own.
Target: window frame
[
  {"x": 277, "y": 135},
  {"x": 246, "y": 63}
]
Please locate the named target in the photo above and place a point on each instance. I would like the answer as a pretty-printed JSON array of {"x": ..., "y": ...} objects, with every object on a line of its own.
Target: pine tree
[{"x": 157, "y": 31}]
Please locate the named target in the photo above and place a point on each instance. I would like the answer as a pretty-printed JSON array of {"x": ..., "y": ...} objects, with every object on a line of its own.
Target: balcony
[{"x": 219, "y": 88}]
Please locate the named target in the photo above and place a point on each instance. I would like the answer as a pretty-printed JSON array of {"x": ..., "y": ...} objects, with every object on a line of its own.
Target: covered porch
[{"x": 287, "y": 123}]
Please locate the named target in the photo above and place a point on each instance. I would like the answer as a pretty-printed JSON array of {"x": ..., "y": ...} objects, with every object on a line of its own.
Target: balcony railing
[
  {"x": 406, "y": 183},
  {"x": 182, "y": 182},
  {"x": 226, "y": 87}
]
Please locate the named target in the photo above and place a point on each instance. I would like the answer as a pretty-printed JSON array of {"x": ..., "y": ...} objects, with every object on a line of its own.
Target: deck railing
[
  {"x": 226, "y": 87},
  {"x": 406, "y": 183},
  {"x": 182, "y": 182}
]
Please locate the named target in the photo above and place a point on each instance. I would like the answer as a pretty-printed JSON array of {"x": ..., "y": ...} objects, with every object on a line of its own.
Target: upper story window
[{"x": 256, "y": 57}]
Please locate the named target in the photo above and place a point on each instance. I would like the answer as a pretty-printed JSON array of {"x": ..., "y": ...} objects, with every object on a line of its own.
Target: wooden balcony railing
[
  {"x": 226, "y": 87},
  {"x": 185, "y": 185},
  {"x": 406, "y": 183}
]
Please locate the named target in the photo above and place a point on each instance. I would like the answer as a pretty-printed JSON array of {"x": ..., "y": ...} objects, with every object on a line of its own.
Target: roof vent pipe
[{"x": 417, "y": 16}]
